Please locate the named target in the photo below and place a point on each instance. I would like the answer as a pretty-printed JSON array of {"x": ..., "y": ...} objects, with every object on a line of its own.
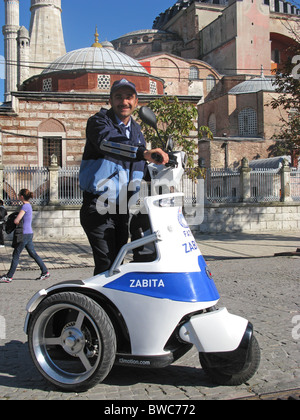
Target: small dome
[
  {"x": 95, "y": 59},
  {"x": 254, "y": 85},
  {"x": 107, "y": 44}
]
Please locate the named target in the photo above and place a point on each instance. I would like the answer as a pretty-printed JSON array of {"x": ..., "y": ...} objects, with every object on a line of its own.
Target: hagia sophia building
[{"x": 217, "y": 54}]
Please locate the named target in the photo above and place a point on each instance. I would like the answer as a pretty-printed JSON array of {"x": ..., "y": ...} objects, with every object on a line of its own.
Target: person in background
[
  {"x": 25, "y": 240},
  {"x": 3, "y": 214}
]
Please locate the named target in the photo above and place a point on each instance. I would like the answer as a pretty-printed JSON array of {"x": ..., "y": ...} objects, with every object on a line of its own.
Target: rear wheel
[
  {"x": 72, "y": 341},
  {"x": 217, "y": 368}
]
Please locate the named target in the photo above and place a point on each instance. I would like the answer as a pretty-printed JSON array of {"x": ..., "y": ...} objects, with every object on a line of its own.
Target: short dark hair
[{"x": 26, "y": 194}]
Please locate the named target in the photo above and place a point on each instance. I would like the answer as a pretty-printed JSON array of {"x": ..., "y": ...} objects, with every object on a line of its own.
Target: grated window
[
  {"x": 47, "y": 85},
  {"x": 210, "y": 83},
  {"x": 52, "y": 146},
  {"x": 212, "y": 124},
  {"x": 153, "y": 87},
  {"x": 194, "y": 73},
  {"x": 247, "y": 123},
  {"x": 103, "y": 82}
]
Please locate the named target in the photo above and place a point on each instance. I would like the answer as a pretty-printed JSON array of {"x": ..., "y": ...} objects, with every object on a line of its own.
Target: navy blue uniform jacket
[{"x": 103, "y": 172}]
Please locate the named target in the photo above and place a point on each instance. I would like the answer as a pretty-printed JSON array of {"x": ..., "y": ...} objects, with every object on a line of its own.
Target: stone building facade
[
  {"x": 190, "y": 78},
  {"x": 207, "y": 52},
  {"x": 242, "y": 121},
  {"x": 235, "y": 37},
  {"x": 240, "y": 43},
  {"x": 49, "y": 115}
]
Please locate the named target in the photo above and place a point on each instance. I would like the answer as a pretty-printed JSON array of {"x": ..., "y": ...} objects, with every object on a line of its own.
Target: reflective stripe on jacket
[{"x": 103, "y": 172}]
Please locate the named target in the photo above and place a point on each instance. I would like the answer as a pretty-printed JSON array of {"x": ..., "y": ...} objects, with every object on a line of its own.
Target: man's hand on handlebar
[{"x": 157, "y": 156}]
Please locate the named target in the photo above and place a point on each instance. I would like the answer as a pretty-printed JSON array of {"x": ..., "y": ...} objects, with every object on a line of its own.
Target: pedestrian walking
[
  {"x": 3, "y": 214},
  {"x": 23, "y": 239}
]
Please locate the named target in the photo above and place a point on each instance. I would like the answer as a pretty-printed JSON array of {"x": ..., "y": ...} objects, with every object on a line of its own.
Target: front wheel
[
  {"x": 72, "y": 341},
  {"x": 216, "y": 366}
]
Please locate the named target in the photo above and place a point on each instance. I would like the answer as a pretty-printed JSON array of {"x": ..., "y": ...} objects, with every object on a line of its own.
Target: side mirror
[
  {"x": 170, "y": 144},
  {"x": 148, "y": 117}
]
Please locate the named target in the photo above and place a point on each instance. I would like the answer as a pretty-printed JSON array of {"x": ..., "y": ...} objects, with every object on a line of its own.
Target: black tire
[
  {"x": 218, "y": 375},
  {"x": 72, "y": 341}
]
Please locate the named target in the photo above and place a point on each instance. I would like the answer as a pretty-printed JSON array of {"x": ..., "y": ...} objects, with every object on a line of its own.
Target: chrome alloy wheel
[
  {"x": 72, "y": 341},
  {"x": 53, "y": 344}
]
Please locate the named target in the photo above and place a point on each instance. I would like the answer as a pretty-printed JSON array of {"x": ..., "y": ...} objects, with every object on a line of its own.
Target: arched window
[
  {"x": 247, "y": 122},
  {"x": 194, "y": 73},
  {"x": 51, "y": 134},
  {"x": 212, "y": 124},
  {"x": 210, "y": 83}
]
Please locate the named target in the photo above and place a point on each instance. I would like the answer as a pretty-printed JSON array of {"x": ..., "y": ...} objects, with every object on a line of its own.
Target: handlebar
[
  {"x": 172, "y": 159},
  {"x": 157, "y": 157}
]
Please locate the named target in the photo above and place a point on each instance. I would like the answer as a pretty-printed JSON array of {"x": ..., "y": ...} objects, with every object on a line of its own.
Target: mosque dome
[
  {"x": 93, "y": 70},
  {"x": 256, "y": 84},
  {"x": 95, "y": 59},
  {"x": 107, "y": 44}
]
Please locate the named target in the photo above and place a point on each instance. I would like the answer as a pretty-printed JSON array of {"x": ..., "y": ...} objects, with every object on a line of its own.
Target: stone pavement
[
  {"x": 252, "y": 283},
  {"x": 72, "y": 253}
]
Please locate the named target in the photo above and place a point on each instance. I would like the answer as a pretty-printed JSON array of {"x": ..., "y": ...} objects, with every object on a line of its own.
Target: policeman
[{"x": 113, "y": 164}]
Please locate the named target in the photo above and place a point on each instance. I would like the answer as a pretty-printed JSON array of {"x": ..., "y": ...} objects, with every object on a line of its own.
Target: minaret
[
  {"x": 46, "y": 34},
  {"x": 23, "y": 54},
  {"x": 10, "y": 32}
]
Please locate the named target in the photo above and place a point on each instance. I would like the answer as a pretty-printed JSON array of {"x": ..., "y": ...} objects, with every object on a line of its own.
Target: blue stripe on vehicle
[{"x": 182, "y": 286}]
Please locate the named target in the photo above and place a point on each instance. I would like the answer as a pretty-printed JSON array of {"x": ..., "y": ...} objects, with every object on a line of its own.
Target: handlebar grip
[{"x": 157, "y": 157}]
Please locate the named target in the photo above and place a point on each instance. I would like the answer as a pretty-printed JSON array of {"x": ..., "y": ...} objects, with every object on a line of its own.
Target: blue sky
[{"x": 113, "y": 18}]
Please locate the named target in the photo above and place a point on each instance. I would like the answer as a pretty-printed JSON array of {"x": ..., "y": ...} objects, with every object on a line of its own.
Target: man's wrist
[{"x": 146, "y": 154}]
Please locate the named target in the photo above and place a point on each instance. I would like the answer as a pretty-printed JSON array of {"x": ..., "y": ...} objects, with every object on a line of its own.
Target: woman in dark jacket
[{"x": 3, "y": 213}]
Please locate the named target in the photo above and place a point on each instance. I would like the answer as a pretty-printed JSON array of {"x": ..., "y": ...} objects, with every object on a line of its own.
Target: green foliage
[
  {"x": 288, "y": 86},
  {"x": 176, "y": 120}
]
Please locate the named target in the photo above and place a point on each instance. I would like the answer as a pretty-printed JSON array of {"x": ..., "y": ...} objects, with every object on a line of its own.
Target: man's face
[{"x": 123, "y": 102}]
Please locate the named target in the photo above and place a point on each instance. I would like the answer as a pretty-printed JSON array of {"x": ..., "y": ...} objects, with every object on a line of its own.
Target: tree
[
  {"x": 288, "y": 86},
  {"x": 176, "y": 120}
]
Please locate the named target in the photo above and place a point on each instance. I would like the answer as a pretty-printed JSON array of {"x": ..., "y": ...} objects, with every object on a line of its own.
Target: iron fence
[
  {"x": 295, "y": 184},
  {"x": 220, "y": 186},
  {"x": 190, "y": 190},
  {"x": 33, "y": 179},
  {"x": 265, "y": 185},
  {"x": 69, "y": 192}
]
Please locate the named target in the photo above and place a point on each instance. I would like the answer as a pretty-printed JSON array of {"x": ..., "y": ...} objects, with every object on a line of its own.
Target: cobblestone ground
[{"x": 264, "y": 290}]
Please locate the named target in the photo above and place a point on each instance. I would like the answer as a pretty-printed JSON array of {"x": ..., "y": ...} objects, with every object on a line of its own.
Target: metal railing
[
  {"x": 265, "y": 185},
  {"x": 33, "y": 179},
  {"x": 189, "y": 188},
  {"x": 221, "y": 185},
  {"x": 295, "y": 184},
  {"x": 69, "y": 192}
]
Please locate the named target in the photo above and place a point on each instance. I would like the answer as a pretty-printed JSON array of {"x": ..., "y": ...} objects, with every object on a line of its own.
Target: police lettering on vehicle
[
  {"x": 190, "y": 246},
  {"x": 147, "y": 283}
]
